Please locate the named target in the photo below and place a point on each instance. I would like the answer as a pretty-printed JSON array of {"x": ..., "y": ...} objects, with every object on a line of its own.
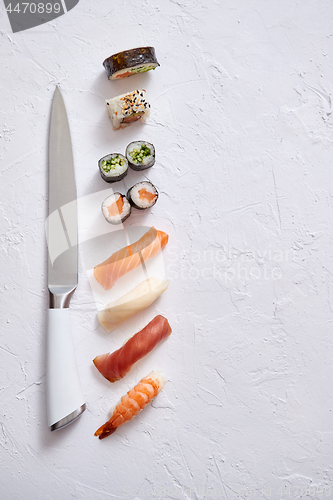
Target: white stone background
[{"x": 242, "y": 124}]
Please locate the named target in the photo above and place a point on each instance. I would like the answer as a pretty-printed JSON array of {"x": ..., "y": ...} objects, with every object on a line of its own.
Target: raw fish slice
[
  {"x": 133, "y": 402},
  {"x": 130, "y": 257},
  {"x": 114, "y": 366},
  {"x": 132, "y": 302}
]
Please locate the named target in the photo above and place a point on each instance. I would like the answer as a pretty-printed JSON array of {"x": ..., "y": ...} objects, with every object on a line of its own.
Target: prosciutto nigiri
[
  {"x": 133, "y": 402},
  {"x": 132, "y": 302},
  {"x": 114, "y": 366},
  {"x": 130, "y": 257}
]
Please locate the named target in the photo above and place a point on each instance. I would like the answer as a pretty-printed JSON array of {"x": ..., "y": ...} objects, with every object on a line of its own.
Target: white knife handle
[{"x": 65, "y": 400}]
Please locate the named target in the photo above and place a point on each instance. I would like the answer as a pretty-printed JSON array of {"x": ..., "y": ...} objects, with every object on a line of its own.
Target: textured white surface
[{"x": 242, "y": 124}]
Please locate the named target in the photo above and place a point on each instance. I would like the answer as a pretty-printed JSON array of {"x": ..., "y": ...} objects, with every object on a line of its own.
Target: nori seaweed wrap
[{"x": 130, "y": 62}]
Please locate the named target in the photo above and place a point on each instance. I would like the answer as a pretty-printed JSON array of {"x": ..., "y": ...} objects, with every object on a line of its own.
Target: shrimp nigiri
[
  {"x": 114, "y": 366},
  {"x": 133, "y": 402},
  {"x": 130, "y": 257}
]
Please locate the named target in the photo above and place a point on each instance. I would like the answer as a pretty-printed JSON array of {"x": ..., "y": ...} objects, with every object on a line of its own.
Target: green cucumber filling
[
  {"x": 143, "y": 69},
  {"x": 112, "y": 163},
  {"x": 137, "y": 155}
]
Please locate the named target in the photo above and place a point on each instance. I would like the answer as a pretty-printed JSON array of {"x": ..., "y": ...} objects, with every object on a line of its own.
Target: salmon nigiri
[
  {"x": 130, "y": 257},
  {"x": 133, "y": 402},
  {"x": 114, "y": 366}
]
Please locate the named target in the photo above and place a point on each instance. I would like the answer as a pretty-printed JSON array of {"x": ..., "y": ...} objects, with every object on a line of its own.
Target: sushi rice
[{"x": 140, "y": 68}]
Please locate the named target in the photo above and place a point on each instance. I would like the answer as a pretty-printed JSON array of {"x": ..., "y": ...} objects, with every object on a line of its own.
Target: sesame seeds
[{"x": 134, "y": 103}]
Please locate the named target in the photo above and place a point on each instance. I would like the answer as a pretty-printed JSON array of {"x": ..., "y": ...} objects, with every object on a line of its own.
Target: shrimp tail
[{"x": 105, "y": 430}]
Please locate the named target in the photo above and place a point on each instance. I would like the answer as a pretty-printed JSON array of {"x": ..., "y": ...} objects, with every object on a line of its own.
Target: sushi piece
[
  {"x": 142, "y": 195},
  {"x": 133, "y": 402},
  {"x": 113, "y": 167},
  {"x": 114, "y": 366},
  {"x": 128, "y": 108},
  {"x": 130, "y": 257},
  {"x": 116, "y": 208},
  {"x": 129, "y": 62},
  {"x": 140, "y": 155},
  {"x": 132, "y": 302}
]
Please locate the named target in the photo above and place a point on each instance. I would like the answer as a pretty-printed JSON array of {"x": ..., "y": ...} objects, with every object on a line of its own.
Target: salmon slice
[
  {"x": 114, "y": 366},
  {"x": 146, "y": 195},
  {"x": 133, "y": 402},
  {"x": 124, "y": 75},
  {"x": 116, "y": 208},
  {"x": 130, "y": 257},
  {"x": 133, "y": 118}
]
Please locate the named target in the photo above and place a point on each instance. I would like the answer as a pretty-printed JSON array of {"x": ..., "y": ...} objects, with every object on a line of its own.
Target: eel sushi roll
[
  {"x": 113, "y": 167},
  {"x": 130, "y": 62},
  {"x": 142, "y": 195},
  {"x": 140, "y": 155},
  {"x": 116, "y": 208},
  {"x": 128, "y": 108}
]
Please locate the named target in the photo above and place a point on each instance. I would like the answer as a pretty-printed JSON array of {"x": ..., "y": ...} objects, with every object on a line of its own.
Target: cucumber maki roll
[
  {"x": 116, "y": 208},
  {"x": 129, "y": 62},
  {"x": 140, "y": 155},
  {"x": 113, "y": 167},
  {"x": 127, "y": 108},
  {"x": 142, "y": 195}
]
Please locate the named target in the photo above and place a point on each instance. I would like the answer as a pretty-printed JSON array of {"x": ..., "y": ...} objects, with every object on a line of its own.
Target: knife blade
[{"x": 65, "y": 400}]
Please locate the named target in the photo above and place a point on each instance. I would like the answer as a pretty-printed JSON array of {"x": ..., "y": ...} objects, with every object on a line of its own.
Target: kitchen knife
[{"x": 65, "y": 400}]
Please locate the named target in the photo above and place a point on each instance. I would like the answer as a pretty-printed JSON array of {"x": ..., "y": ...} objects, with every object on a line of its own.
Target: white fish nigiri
[{"x": 132, "y": 302}]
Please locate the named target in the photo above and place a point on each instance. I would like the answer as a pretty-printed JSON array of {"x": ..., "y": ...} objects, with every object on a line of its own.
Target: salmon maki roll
[
  {"x": 130, "y": 62},
  {"x": 116, "y": 208},
  {"x": 142, "y": 195},
  {"x": 133, "y": 402},
  {"x": 130, "y": 257},
  {"x": 116, "y": 365}
]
